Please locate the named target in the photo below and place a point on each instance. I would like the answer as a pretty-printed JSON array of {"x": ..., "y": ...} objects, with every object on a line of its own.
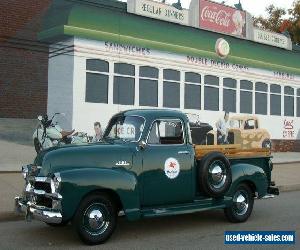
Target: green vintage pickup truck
[{"x": 146, "y": 166}]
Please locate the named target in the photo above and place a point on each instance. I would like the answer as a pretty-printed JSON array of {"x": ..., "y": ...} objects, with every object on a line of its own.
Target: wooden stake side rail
[{"x": 233, "y": 151}]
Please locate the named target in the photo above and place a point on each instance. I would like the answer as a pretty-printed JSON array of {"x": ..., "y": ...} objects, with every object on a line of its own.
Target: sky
[{"x": 255, "y": 7}]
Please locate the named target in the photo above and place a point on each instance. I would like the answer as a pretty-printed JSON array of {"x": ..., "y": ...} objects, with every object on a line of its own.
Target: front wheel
[
  {"x": 242, "y": 204},
  {"x": 95, "y": 219}
]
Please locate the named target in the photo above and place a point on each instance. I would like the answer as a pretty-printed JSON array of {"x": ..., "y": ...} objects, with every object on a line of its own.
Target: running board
[{"x": 196, "y": 206}]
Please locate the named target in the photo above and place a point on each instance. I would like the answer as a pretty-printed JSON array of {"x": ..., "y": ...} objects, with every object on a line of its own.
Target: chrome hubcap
[
  {"x": 96, "y": 219},
  {"x": 217, "y": 174},
  {"x": 241, "y": 203}
]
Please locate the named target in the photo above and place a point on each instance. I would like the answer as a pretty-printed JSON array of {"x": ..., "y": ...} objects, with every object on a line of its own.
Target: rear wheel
[
  {"x": 267, "y": 144},
  {"x": 242, "y": 205},
  {"x": 214, "y": 174},
  {"x": 95, "y": 219}
]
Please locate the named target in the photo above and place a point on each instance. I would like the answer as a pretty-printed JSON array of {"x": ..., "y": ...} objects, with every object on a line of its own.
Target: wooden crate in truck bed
[{"x": 231, "y": 151}]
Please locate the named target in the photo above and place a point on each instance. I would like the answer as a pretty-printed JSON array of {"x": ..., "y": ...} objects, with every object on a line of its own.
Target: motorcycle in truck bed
[{"x": 146, "y": 166}]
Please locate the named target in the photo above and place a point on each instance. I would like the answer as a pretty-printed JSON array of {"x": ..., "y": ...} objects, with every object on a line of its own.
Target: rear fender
[
  {"x": 78, "y": 183},
  {"x": 249, "y": 173}
]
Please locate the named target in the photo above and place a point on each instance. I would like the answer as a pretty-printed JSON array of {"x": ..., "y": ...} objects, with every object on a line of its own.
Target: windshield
[
  {"x": 126, "y": 128},
  {"x": 235, "y": 123}
]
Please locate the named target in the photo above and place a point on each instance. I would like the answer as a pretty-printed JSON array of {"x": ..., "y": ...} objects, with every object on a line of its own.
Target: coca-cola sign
[{"x": 223, "y": 19}]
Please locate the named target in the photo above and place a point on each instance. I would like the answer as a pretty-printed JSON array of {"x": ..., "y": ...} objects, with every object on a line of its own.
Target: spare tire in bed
[{"x": 214, "y": 174}]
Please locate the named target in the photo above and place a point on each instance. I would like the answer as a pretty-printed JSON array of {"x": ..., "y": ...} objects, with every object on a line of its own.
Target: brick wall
[
  {"x": 23, "y": 60},
  {"x": 286, "y": 145}
]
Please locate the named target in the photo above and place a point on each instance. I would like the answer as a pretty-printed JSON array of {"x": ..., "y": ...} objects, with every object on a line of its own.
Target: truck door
[{"x": 167, "y": 164}]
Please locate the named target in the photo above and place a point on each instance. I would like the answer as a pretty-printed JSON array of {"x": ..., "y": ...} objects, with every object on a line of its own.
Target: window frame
[
  {"x": 106, "y": 73},
  {"x": 151, "y": 79},
  {"x": 194, "y": 84},
  {"x": 171, "y": 81},
  {"x": 218, "y": 87},
  {"x": 114, "y": 75},
  {"x": 297, "y": 102},
  {"x": 247, "y": 91},
  {"x": 277, "y": 94},
  {"x": 167, "y": 119},
  {"x": 232, "y": 89},
  {"x": 289, "y": 95},
  {"x": 266, "y": 92}
]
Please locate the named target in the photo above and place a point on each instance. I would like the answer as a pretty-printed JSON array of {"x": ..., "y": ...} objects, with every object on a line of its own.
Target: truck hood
[{"x": 104, "y": 155}]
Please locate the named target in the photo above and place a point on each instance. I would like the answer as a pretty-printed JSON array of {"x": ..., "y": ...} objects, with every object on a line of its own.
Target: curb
[
  {"x": 289, "y": 188},
  {"x": 286, "y": 162},
  {"x": 10, "y": 216},
  {"x": 13, "y": 216}
]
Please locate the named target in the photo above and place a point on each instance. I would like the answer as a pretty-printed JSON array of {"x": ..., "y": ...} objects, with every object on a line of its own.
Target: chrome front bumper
[
  {"x": 37, "y": 212},
  {"x": 41, "y": 199}
]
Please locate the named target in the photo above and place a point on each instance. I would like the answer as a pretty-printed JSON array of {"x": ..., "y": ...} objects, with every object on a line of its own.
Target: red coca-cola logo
[
  {"x": 220, "y": 17},
  {"x": 223, "y": 19}
]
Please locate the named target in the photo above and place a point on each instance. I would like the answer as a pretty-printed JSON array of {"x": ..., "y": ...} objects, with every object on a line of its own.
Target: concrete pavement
[
  {"x": 14, "y": 155},
  {"x": 204, "y": 230}
]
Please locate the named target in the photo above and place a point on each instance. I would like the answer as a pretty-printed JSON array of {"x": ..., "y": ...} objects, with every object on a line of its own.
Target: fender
[
  {"x": 242, "y": 172},
  {"x": 77, "y": 183}
]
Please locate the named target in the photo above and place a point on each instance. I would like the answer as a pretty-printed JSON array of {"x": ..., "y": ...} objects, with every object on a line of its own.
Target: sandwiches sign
[{"x": 222, "y": 19}]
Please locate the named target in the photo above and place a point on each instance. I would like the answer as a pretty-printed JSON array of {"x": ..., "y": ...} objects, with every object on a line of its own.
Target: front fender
[
  {"x": 77, "y": 183},
  {"x": 248, "y": 173}
]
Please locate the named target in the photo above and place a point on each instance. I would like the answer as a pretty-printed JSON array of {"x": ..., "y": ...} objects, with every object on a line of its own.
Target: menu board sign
[{"x": 158, "y": 10}]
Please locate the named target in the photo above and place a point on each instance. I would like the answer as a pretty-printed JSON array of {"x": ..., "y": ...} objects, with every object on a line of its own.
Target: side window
[
  {"x": 166, "y": 132},
  {"x": 250, "y": 124}
]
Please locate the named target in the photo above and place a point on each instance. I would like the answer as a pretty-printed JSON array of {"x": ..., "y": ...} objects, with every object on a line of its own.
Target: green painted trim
[
  {"x": 115, "y": 25},
  {"x": 52, "y": 32},
  {"x": 106, "y": 36}
]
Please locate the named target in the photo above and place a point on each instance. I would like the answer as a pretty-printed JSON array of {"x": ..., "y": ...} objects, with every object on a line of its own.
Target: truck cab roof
[{"x": 152, "y": 114}]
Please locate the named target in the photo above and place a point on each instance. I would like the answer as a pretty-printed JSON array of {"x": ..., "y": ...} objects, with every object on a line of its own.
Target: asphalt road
[{"x": 194, "y": 231}]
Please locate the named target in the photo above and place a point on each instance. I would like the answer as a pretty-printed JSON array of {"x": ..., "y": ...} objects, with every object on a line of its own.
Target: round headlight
[
  {"x": 25, "y": 171},
  {"x": 56, "y": 180}
]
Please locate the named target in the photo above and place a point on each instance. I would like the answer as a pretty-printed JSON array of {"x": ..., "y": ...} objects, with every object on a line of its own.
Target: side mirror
[
  {"x": 142, "y": 144},
  {"x": 40, "y": 118}
]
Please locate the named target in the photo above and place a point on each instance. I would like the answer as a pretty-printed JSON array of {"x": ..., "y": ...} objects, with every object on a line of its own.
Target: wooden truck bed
[{"x": 231, "y": 151}]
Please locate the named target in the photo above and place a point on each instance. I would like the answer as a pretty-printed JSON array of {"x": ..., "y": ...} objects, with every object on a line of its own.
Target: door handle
[{"x": 184, "y": 152}]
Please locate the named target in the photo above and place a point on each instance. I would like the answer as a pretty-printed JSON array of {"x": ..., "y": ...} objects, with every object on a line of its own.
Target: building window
[
  {"x": 96, "y": 81},
  {"x": 261, "y": 98},
  {"x": 229, "y": 95},
  {"x": 289, "y": 101},
  {"x": 171, "y": 89},
  {"x": 298, "y": 102},
  {"x": 192, "y": 91},
  {"x": 275, "y": 99},
  {"x": 148, "y": 86},
  {"x": 124, "y": 84},
  {"x": 97, "y": 65},
  {"x": 211, "y": 93},
  {"x": 246, "y": 96}
]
